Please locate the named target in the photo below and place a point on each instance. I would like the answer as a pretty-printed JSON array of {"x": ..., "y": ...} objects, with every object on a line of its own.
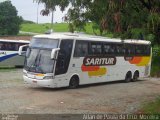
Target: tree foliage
[
  {"x": 50, "y": 5},
  {"x": 136, "y": 19},
  {"x": 9, "y": 21}
]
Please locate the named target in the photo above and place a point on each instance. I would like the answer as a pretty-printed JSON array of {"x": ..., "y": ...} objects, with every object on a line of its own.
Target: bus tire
[
  {"x": 135, "y": 76},
  {"x": 128, "y": 77},
  {"x": 74, "y": 82}
]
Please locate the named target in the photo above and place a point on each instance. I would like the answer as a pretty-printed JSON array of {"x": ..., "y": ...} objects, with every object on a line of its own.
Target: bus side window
[
  {"x": 17, "y": 46},
  {"x": 119, "y": 49},
  {"x": 143, "y": 50},
  {"x": 8, "y": 46},
  {"x": 11, "y": 46},
  {"x": 106, "y": 49},
  {"x": 129, "y": 49},
  {"x": 81, "y": 49},
  {"x": 139, "y": 50},
  {"x": 2, "y": 46},
  {"x": 99, "y": 49},
  {"x": 147, "y": 50},
  {"x": 109, "y": 49},
  {"x": 96, "y": 49},
  {"x": 93, "y": 49}
]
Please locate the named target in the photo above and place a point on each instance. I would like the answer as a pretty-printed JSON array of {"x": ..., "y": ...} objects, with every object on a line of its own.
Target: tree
[
  {"x": 136, "y": 19},
  {"x": 50, "y": 6},
  {"x": 9, "y": 21},
  {"x": 153, "y": 21},
  {"x": 77, "y": 17}
]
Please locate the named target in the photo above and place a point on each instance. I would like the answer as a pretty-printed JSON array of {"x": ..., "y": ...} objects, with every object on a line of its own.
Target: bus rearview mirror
[
  {"x": 53, "y": 53},
  {"x": 20, "y": 51}
]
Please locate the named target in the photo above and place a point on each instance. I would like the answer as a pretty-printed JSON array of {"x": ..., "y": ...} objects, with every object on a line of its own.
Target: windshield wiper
[
  {"x": 39, "y": 69},
  {"x": 33, "y": 65}
]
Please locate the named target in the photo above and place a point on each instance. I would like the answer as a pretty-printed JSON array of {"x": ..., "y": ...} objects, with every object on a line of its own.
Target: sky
[{"x": 28, "y": 10}]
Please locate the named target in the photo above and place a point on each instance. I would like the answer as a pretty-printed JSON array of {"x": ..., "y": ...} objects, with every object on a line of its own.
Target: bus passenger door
[{"x": 63, "y": 59}]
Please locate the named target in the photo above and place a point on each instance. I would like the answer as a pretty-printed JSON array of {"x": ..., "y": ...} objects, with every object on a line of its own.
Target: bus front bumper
[{"x": 41, "y": 83}]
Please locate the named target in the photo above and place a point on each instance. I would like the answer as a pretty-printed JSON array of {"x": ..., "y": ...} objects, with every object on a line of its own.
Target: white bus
[
  {"x": 9, "y": 53},
  {"x": 63, "y": 59}
]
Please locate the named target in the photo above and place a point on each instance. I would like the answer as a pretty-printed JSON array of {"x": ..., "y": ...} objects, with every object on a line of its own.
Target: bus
[
  {"x": 9, "y": 53},
  {"x": 65, "y": 59}
]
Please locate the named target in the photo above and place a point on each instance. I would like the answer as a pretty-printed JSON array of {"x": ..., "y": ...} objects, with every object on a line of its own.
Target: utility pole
[
  {"x": 37, "y": 13},
  {"x": 52, "y": 16}
]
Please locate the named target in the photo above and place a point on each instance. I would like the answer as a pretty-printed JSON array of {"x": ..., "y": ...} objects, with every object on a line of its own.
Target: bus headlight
[{"x": 48, "y": 77}]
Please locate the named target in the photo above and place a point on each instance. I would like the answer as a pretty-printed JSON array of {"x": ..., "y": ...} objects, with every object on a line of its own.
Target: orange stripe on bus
[
  {"x": 100, "y": 72},
  {"x": 90, "y": 68},
  {"x": 145, "y": 61},
  {"x": 136, "y": 60}
]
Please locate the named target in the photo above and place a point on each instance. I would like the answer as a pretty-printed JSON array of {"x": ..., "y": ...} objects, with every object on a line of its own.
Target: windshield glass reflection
[
  {"x": 38, "y": 55},
  {"x": 39, "y": 61}
]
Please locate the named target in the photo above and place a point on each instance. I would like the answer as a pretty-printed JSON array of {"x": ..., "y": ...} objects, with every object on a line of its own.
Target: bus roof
[
  {"x": 79, "y": 36},
  {"x": 16, "y": 41}
]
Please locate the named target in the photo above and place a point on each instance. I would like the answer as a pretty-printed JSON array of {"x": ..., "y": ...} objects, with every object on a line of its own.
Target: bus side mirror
[
  {"x": 20, "y": 51},
  {"x": 53, "y": 53}
]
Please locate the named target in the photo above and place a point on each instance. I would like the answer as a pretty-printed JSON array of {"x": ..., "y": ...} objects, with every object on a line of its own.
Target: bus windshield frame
[{"x": 38, "y": 55}]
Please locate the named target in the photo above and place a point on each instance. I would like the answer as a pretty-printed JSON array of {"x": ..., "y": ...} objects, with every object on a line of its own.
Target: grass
[
  {"x": 7, "y": 69},
  {"x": 42, "y": 28},
  {"x": 152, "y": 107},
  {"x": 155, "y": 70},
  {"x": 58, "y": 27}
]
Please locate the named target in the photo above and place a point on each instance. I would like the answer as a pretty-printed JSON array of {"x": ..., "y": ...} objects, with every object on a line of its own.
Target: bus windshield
[
  {"x": 38, "y": 56},
  {"x": 39, "y": 61}
]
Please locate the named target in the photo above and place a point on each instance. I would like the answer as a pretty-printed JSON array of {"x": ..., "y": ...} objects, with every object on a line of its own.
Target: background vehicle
[
  {"x": 9, "y": 53},
  {"x": 59, "y": 60}
]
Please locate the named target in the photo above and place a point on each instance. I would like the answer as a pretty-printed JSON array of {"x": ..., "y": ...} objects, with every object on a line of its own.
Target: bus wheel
[
  {"x": 128, "y": 77},
  {"x": 135, "y": 76},
  {"x": 74, "y": 82}
]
